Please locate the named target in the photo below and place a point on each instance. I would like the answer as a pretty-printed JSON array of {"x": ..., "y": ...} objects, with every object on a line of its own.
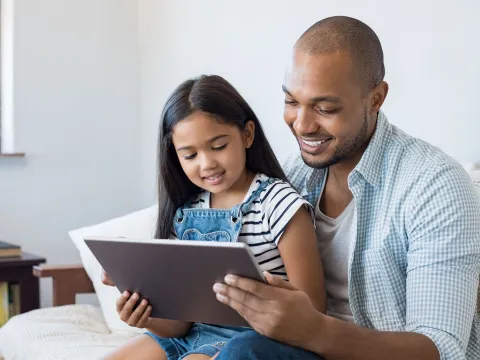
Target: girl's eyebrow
[{"x": 215, "y": 138}]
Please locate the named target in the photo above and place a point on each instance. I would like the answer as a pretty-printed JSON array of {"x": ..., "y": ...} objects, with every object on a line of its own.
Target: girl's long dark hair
[{"x": 213, "y": 95}]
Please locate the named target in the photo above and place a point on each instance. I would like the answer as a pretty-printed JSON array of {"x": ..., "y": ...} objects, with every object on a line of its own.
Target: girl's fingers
[
  {"x": 122, "y": 300},
  {"x": 143, "y": 322}
]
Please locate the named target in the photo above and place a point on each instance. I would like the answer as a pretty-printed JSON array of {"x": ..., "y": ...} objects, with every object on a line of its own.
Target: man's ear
[
  {"x": 249, "y": 134},
  {"x": 378, "y": 97}
]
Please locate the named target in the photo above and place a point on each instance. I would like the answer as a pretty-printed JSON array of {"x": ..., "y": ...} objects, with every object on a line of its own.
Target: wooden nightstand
[{"x": 19, "y": 269}]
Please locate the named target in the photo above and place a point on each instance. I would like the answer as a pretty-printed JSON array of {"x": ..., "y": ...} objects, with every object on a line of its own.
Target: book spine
[
  {"x": 10, "y": 301},
  {"x": 14, "y": 299},
  {"x": 3, "y": 303}
]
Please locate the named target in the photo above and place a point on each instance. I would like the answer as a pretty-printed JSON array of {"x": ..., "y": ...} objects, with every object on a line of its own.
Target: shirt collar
[{"x": 371, "y": 164}]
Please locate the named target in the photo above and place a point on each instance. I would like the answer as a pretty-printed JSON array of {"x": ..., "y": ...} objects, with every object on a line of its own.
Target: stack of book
[
  {"x": 8, "y": 250},
  {"x": 9, "y": 292}
]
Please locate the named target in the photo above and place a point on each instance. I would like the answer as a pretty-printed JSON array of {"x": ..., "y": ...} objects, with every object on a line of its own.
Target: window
[{"x": 6, "y": 79}]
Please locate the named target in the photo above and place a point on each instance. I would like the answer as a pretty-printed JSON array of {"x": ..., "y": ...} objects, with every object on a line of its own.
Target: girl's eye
[
  {"x": 189, "y": 157},
  {"x": 218, "y": 148}
]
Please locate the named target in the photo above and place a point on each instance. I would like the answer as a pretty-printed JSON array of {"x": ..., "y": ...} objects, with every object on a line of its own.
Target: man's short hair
[{"x": 342, "y": 33}]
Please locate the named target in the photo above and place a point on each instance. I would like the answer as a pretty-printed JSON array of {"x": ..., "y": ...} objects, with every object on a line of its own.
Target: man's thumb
[{"x": 277, "y": 281}]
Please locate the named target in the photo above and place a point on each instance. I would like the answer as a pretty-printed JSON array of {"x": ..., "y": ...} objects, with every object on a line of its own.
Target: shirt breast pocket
[
  {"x": 194, "y": 234},
  {"x": 381, "y": 289}
]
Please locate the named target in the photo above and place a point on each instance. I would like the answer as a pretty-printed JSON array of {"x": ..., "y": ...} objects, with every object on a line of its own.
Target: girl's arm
[{"x": 298, "y": 248}]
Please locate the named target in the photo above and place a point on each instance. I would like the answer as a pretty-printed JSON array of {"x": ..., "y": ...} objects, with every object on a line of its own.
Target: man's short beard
[{"x": 346, "y": 151}]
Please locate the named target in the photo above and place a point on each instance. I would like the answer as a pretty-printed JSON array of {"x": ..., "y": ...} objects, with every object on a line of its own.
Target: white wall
[
  {"x": 431, "y": 55},
  {"x": 76, "y": 106}
]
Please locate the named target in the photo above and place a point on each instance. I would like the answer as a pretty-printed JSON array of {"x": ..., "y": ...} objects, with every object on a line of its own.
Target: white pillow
[
  {"x": 475, "y": 175},
  {"x": 140, "y": 224}
]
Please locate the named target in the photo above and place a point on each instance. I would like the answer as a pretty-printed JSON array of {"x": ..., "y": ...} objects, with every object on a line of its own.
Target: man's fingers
[
  {"x": 240, "y": 307},
  {"x": 251, "y": 286},
  {"x": 240, "y": 296},
  {"x": 277, "y": 281}
]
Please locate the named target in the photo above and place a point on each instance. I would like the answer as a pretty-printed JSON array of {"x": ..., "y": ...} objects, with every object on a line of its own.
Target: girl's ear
[{"x": 249, "y": 134}]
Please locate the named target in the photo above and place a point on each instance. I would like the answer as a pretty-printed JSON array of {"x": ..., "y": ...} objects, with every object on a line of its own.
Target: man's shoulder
[
  {"x": 414, "y": 164},
  {"x": 412, "y": 157}
]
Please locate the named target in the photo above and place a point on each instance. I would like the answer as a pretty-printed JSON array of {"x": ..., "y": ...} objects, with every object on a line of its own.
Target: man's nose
[{"x": 305, "y": 121}]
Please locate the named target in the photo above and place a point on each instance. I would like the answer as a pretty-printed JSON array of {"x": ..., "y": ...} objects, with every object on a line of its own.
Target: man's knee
[{"x": 250, "y": 345}]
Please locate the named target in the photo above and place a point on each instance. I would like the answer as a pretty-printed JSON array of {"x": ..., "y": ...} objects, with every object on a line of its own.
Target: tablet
[{"x": 177, "y": 276}]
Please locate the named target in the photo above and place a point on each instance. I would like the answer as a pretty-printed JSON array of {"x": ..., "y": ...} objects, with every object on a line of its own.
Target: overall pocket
[{"x": 194, "y": 234}]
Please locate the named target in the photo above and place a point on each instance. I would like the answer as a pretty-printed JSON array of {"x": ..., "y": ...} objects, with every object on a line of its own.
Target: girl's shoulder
[
  {"x": 277, "y": 203},
  {"x": 274, "y": 189},
  {"x": 270, "y": 182}
]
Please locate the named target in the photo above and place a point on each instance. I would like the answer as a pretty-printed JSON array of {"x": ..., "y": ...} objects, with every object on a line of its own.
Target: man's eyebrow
[
  {"x": 332, "y": 99},
  {"x": 316, "y": 99},
  {"x": 285, "y": 90},
  {"x": 215, "y": 138}
]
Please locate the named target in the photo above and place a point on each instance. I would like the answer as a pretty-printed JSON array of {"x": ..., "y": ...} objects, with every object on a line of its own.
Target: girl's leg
[{"x": 141, "y": 347}]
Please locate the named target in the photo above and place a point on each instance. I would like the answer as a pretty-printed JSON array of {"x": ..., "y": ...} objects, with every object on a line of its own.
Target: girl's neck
[{"x": 235, "y": 194}]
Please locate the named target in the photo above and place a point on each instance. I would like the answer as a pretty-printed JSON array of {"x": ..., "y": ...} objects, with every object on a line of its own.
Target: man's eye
[
  {"x": 189, "y": 157},
  {"x": 218, "y": 148},
  {"x": 327, "y": 111},
  {"x": 290, "y": 102}
]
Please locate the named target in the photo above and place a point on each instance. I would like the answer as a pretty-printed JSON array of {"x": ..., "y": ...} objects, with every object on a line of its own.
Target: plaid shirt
[{"x": 415, "y": 255}]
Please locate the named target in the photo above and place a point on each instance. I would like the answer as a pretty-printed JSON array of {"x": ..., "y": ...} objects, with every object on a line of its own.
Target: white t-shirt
[
  {"x": 334, "y": 238},
  {"x": 265, "y": 222}
]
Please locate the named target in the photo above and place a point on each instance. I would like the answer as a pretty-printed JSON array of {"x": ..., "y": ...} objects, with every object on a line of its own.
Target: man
[{"x": 398, "y": 222}]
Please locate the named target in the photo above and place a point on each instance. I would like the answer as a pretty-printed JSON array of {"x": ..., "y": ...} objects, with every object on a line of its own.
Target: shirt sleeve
[
  {"x": 443, "y": 229},
  {"x": 281, "y": 202}
]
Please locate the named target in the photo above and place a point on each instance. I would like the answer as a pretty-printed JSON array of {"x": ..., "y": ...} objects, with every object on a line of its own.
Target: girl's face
[{"x": 211, "y": 153}]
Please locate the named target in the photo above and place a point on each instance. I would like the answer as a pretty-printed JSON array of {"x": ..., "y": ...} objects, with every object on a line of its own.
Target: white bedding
[{"x": 73, "y": 332}]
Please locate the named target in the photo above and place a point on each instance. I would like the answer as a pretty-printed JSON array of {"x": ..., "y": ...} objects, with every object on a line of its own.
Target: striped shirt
[
  {"x": 265, "y": 221},
  {"x": 415, "y": 256}
]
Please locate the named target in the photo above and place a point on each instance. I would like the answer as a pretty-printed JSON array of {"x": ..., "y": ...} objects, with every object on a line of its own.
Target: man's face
[{"x": 325, "y": 109}]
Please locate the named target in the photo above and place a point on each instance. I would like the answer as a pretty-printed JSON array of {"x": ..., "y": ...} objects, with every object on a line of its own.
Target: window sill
[{"x": 12, "y": 155}]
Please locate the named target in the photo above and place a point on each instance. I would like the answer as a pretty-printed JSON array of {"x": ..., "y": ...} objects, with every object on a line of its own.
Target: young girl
[{"x": 220, "y": 181}]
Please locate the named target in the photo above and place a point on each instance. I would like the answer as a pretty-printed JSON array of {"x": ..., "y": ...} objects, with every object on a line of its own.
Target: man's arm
[
  {"x": 442, "y": 279},
  {"x": 443, "y": 259},
  {"x": 285, "y": 314},
  {"x": 345, "y": 340}
]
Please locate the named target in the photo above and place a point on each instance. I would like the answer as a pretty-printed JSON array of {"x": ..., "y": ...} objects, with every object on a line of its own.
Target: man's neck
[{"x": 340, "y": 171}]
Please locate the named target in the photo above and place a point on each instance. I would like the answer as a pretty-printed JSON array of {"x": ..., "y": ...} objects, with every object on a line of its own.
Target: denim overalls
[
  {"x": 208, "y": 225},
  {"x": 214, "y": 224}
]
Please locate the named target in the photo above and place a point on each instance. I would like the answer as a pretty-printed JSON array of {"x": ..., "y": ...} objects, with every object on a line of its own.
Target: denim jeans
[
  {"x": 250, "y": 345},
  {"x": 201, "y": 339}
]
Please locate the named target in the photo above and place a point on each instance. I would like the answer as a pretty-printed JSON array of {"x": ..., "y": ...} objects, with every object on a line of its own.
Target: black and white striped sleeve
[{"x": 281, "y": 202}]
